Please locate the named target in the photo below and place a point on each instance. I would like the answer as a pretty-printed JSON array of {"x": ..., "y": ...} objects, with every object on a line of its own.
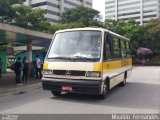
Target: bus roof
[{"x": 96, "y": 29}]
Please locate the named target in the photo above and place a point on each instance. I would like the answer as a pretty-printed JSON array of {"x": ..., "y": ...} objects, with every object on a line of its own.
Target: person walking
[
  {"x": 38, "y": 67},
  {"x": 18, "y": 66},
  {"x": 1, "y": 67},
  {"x": 25, "y": 69}
]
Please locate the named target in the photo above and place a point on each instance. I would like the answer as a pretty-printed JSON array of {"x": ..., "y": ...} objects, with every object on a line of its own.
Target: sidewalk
[{"x": 8, "y": 85}]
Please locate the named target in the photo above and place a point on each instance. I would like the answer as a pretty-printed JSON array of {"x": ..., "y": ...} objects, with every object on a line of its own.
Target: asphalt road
[{"x": 140, "y": 95}]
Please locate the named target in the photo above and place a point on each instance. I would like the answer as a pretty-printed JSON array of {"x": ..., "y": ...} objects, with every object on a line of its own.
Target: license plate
[{"x": 66, "y": 88}]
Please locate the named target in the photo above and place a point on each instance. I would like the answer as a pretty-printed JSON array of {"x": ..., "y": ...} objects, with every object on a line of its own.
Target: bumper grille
[{"x": 69, "y": 72}]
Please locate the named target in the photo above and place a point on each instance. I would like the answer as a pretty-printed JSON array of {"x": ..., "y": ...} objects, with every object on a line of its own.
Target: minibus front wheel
[
  {"x": 105, "y": 91},
  {"x": 56, "y": 93}
]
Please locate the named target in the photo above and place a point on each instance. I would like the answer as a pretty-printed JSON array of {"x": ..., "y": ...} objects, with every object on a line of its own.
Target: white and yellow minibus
[{"x": 86, "y": 60}]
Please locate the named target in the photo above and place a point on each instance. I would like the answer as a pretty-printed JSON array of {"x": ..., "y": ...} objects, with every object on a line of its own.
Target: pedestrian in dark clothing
[
  {"x": 23, "y": 62},
  {"x": 18, "y": 67},
  {"x": 0, "y": 67},
  {"x": 25, "y": 69}
]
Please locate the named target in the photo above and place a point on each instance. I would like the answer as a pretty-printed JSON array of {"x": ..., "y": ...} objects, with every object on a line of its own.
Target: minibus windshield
[{"x": 76, "y": 45}]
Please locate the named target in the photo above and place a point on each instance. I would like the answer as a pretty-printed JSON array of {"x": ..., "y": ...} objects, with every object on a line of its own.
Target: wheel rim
[{"x": 105, "y": 89}]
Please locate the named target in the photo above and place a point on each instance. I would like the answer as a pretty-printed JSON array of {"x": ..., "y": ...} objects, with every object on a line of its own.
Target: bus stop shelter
[{"x": 17, "y": 36}]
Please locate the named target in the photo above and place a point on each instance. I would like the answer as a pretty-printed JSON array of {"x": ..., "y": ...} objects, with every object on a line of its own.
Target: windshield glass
[{"x": 77, "y": 45}]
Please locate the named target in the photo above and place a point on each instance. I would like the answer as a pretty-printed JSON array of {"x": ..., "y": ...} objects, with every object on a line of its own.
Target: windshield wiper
[
  {"x": 63, "y": 57},
  {"x": 85, "y": 58}
]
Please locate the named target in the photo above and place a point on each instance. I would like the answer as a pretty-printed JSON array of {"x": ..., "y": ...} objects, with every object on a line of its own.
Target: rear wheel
[
  {"x": 123, "y": 83},
  {"x": 56, "y": 93}
]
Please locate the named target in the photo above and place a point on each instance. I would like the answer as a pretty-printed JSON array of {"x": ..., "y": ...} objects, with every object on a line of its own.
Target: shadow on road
[{"x": 133, "y": 95}]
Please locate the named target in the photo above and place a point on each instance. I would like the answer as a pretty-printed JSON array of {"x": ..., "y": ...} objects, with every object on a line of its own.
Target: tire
[
  {"x": 56, "y": 93},
  {"x": 104, "y": 94},
  {"x": 123, "y": 83}
]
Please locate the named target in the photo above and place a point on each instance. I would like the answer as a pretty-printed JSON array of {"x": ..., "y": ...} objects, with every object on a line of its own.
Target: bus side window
[
  {"x": 117, "y": 49},
  {"x": 123, "y": 49},
  {"x": 107, "y": 46},
  {"x": 128, "y": 49}
]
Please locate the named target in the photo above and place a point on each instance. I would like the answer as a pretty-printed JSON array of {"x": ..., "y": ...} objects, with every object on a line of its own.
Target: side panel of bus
[{"x": 117, "y": 62}]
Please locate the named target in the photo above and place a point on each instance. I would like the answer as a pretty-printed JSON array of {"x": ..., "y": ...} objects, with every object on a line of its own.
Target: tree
[
  {"x": 5, "y": 8},
  {"x": 60, "y": 26},
  {"x": 6, "y": 11},
  {"x": 38, "y": 21},
  {"x": 152, "y": 35},
  {"x": 12, "y": 2},
  {"x": 128, "y": 29},
  {"x": 22, "y": 14},
  {"x": 84, "y": 15},
  {"x": 30, "y": 18},
  {"x": 110, "y": 24}
]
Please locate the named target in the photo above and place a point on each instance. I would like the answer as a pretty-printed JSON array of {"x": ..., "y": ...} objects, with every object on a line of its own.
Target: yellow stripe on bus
[
  {"x": 111, "y": 65},
  {"x": 98, "y": 66},
  {"x": 45, "y": 65}
]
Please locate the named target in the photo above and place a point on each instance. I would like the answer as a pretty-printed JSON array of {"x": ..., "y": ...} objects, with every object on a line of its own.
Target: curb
[{"x": 21, "y": 89}]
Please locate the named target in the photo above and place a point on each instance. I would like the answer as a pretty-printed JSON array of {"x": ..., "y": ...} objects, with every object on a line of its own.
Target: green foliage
[
  {"x": 147, "y": 35},
  {"x": 152, "y": 35},
  {"x": 30, "y": 18},
  {"x": 22, "y": 14},
  {"x": 6, "y": 11},
  {"x": 11, "y": 2},
  {"x": 76, "y": 18},
  {"x": 110, "y": 24},
  {"x": 26, "y": 17},
  {"x": 60, "y": 26},
  {"x": 84, "y": 15},
  {"x": 128, "y": 29}
]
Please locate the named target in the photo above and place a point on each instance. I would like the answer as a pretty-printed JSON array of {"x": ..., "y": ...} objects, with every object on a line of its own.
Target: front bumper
[{"x": 78, "y": 86}]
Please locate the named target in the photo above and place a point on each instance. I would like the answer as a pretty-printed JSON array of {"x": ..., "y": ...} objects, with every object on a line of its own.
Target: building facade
[
  {"x": 55, "y": 7},
  {"x": 140, "y": 10}
]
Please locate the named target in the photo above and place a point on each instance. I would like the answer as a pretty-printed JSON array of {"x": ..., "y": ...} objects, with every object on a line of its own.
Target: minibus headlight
[
  {"x": 47, "y": 72},
  {"x": 93, "y": 74}
]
